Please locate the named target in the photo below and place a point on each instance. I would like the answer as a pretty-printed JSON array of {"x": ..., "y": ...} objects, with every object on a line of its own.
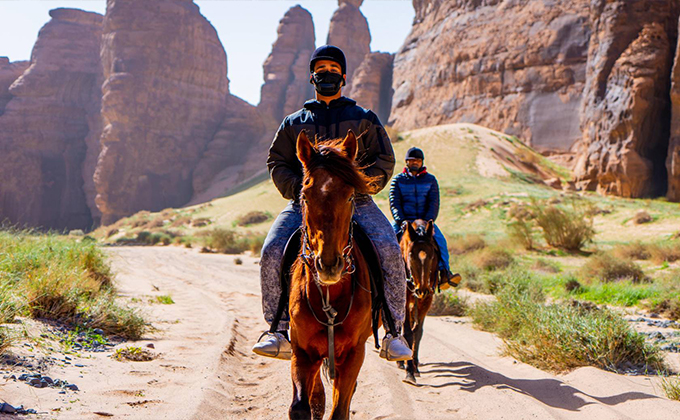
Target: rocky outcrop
[
  {"x": 626, "y": 110},
  {"x": 163, "y": 100},
  {"x": 515, "y": 66},
  {"x": 286, "y": 71},
  {"x": 372, "y": 87},
  {"x": 9, "y": 72},
  {"x": 42, "y": 146},
  {"x": 236, "y": 153},
  {"x": 673, "y": 160},
  {"x": 348, "y": 30}
]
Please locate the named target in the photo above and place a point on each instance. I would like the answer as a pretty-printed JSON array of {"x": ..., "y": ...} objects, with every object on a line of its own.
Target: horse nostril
[
  {"x": 339, "y": 262},
  {"x": 319, "y": 264}
]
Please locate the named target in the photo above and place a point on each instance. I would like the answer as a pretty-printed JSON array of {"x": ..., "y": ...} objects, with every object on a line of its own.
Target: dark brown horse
[
  {"x": 422, "y": 257},
  {"x": 330, "y": 283}
]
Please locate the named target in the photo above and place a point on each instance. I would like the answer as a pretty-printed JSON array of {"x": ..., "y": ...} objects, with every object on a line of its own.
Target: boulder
[
  {"x": 286, "y": 70},
  {"x": 44, "y": 125},
  {"x": 348, "y": 31},
  {"x": 626, "y": 112},
  {"x": 515, "y": 66},
  {"x": 163, "y": 100}
]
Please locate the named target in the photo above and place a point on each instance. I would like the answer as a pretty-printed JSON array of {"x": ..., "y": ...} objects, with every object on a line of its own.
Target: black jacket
[
  {"x": 323, "y": 122},
  {"x": 414, "y": 197}
]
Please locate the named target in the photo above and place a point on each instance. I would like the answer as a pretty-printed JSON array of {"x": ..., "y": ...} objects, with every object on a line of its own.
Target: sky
[{"x": 247, "y": 29}]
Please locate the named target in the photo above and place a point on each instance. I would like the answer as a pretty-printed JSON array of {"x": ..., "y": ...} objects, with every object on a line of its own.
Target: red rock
[
  {"x": 9, "y": 72},
  {"x": 348, "y": 31},
  {"x": 163, "y": 100},
  {"x": 512, "y": 66},
  {"x": 673, "y": 160},
  {"x": 372, "y": 87},
  {"x": 286, "y": 71},
  {"x": 625, "y": 116},
  {"x": 44, "y": 125}
]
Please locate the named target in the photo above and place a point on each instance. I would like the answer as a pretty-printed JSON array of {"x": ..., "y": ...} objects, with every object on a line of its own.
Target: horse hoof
[
  {"x": 401, "y": 365},
  {"x": 410, "y": 379},
  {"x": 417, "y": 374}
]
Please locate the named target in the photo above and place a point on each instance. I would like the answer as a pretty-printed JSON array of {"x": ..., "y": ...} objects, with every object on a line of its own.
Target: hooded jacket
[
  {"x": 324, "y": 122},
  {"x": 414, "y": 197}
]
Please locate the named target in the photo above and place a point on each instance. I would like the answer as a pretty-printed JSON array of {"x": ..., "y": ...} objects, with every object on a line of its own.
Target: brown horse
[
  {"x": 330, "y": 283},
  {"x": 421, "y": 255}
]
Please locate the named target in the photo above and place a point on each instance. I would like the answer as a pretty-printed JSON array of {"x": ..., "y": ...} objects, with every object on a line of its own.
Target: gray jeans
[{"x": 376, "y": 226}]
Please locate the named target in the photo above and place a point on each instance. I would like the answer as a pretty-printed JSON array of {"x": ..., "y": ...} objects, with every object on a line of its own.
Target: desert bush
[
  {"x": 634, "y": 251},
  {"x": 225, "y": 241},
  {"x": 560, "y": 337},
  {"x": 668, "y": 307},
  {"x": 642, "y": 217},
  {"x": 569, "y": 229},
  {"x": 201, "y": 222},
  {"x": 253, "y": 218},
  {"x": 546, "y": 266},
  {"x": 492, "y": 258},
  {"x": 180, "y": 221},
  {"x": 464, "y": 244},
  {"x": 606, "y": 267},
  {"x": 522, "y": 232},
  {"x": 667, "y": 252},
  {"x": 671, "y": 387},
  {"x": 155, "y": 223},
  {"x": 448, "y": 304},
  {"x": 58, "y": 278}
]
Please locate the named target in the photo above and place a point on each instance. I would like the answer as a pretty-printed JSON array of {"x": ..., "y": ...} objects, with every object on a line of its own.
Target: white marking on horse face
[
  {"x": 328, "y": 185},
  {"x": 422, "y": 255}
]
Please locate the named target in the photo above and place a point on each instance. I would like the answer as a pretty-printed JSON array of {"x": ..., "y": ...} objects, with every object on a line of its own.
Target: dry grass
[
  {"x": 448, "y": 304},
  {"x": 133, "y": 354},
  {"x": 642, "y": 217},
  {"x": 606, "y": 268},
  {"x": 566, "y": 228},
  {"x": 633, "y": 251},
  {"x": 253, "y": 218},
  {"x": 671, "y": 387},
  {"x": 459, "y": 245},
  {"x": 493, "y": 258}
]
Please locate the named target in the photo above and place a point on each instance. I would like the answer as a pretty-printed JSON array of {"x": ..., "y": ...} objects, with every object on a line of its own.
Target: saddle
[{"x": 378, "y": 300}]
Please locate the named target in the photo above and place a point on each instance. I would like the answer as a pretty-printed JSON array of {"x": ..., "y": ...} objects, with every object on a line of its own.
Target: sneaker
[
  {"x": 395, "y": 349},
  {"x": 274, "y": 345},
  {"x": 448, "y": 279}
]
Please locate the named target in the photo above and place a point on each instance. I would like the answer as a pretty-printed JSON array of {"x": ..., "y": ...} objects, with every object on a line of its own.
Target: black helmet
[
  {"x": 328, "y": 52},
  {"x": 414, "y": 153}
]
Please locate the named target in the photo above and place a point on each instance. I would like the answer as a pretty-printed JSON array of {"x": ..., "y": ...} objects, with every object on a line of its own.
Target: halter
[{"x": 308, "y": 256}]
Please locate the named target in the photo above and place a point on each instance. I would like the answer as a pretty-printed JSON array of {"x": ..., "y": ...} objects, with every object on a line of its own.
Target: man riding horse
[
  {"x": 330, "y": 116},
  {"x": 414, "y": 195}
]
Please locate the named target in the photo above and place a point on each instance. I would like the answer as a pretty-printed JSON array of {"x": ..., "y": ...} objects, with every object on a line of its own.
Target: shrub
[
  {"x": 253, "y": 218},
  {"x": 464, "y": 244},
  {"x": 133, "y": 354},
  {"x": 448, "y": 304},
  {"x": 560, "y": 337},
  {"x": 522, "y": 232},
  {"x": 238, "y": 261},
  {"x": 490, "y": 259},
  {"x": 225, "y": 241},
  {"x": 546, "y": 266},
  {"x": 181, "y": 221},
  {"x": 605, "y": 267},
  {"x": 201, "y": 221},
  {"x": 634, "y": 251},
  {"x": 671, "y": 387},
  {"x": 569, "y": 229},
  {"x": 165, "y": 300},
  {"x": 669, "y": 252},
  {"x": 255, "y": 243},
  {"x": 642, "y": 217}
]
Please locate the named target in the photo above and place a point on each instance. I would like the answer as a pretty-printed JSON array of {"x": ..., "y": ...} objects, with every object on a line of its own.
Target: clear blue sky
[{"x": 247, "y": 28}]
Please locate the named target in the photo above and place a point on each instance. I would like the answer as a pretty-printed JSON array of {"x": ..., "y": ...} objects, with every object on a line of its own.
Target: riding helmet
[
  {"x": 414, "y": 153},
  {"x": 328, "y": 52}
]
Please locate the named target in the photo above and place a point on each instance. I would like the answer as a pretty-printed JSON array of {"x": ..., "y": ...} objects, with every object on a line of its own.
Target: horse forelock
[{"x": 329, "y": 156}]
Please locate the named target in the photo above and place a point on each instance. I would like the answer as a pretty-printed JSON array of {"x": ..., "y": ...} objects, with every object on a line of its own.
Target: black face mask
[
  {"x": 327, "y": 83},
  {"x": 413, "y": 168}
]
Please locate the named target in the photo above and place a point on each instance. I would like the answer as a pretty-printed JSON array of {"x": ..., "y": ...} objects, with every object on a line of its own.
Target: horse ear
[
  {"x": 411, "y": 232},
  {"x": 350, "y": 145},
  {"x": 304, "y": 148},
  {"x": 430, "y": 227}
]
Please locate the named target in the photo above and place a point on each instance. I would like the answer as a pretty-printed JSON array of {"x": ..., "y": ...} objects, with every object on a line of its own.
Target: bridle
[{"x": 308, "y": 256}]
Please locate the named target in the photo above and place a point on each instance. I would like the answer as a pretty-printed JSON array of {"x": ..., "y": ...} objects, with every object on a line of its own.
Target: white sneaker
[
  {"x": 395, "y": 349},
  {"x": 273, "y": 345}
]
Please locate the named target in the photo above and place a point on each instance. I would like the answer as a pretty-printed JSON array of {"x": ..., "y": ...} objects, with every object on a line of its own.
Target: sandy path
[{"x": 206, "y": 370}]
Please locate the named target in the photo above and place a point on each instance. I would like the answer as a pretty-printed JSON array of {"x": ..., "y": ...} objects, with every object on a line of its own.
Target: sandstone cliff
[
  {"x": 9, "y": 72},
  {"x": 626, "y": 110},
  {"x": 348, "y": 30},
  {"x": 372, "y": 84},
  {"x": 516, "y": 66},
  {"x": 44, "y": 125},
  {"x": 673, "y": 160},
  {"x": 286, "y": 71},
  {"x": 163, "y": 100}
]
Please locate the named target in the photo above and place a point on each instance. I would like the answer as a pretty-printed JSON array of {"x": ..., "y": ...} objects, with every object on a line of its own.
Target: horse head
[
  {"x": 331, "y": 179},
  {"x": 420, "y": 254}
]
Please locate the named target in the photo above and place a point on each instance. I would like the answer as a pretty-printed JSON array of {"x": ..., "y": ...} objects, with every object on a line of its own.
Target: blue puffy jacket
[{"x": 414, "y": 197}]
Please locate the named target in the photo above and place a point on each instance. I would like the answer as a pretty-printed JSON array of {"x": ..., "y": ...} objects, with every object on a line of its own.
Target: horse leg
[
  {"x": 346, "y": 382},
  {"x": 318, "y": 398},
  {"x": 411, "y": 365},
  {"x": 303, "y": 373},
  {"x": 416, "y": 346},
  {"x": 408, "y": 331}
]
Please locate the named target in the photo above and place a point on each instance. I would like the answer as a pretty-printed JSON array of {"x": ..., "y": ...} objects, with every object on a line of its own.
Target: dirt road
[{"x": 206, "y": 370}]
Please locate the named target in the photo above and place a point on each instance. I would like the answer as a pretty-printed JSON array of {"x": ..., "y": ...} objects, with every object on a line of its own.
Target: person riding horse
[
  {"x": 330, "y": 116},
  {"x": 414, "y": 194}
]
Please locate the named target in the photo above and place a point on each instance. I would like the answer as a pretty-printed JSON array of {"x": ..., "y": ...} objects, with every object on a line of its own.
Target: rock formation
[
  {"x": 515, "y": 66},
  {"x": 673, "y": 160},
  {"x": 44, "y": 125},
  {"x": 372, "y": 86},
  {"x": 9, "y": 72},
  {"x": 286, "y": 71},
  {"x": 348, "y": 30},
  {"x": 626, "y": 110},
  {"x": 163, "y": 99}
]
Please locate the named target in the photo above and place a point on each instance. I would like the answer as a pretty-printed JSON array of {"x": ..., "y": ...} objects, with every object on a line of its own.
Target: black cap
[
  {"x": 415, "y": 153},
  {"x": 328, "y": 52}
]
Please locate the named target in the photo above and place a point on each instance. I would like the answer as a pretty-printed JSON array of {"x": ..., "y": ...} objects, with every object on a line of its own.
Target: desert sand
[{"x": 205, "y": 369}]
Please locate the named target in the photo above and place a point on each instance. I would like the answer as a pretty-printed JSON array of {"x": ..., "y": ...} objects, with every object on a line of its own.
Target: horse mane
[{"x": 329, "y": 156}]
